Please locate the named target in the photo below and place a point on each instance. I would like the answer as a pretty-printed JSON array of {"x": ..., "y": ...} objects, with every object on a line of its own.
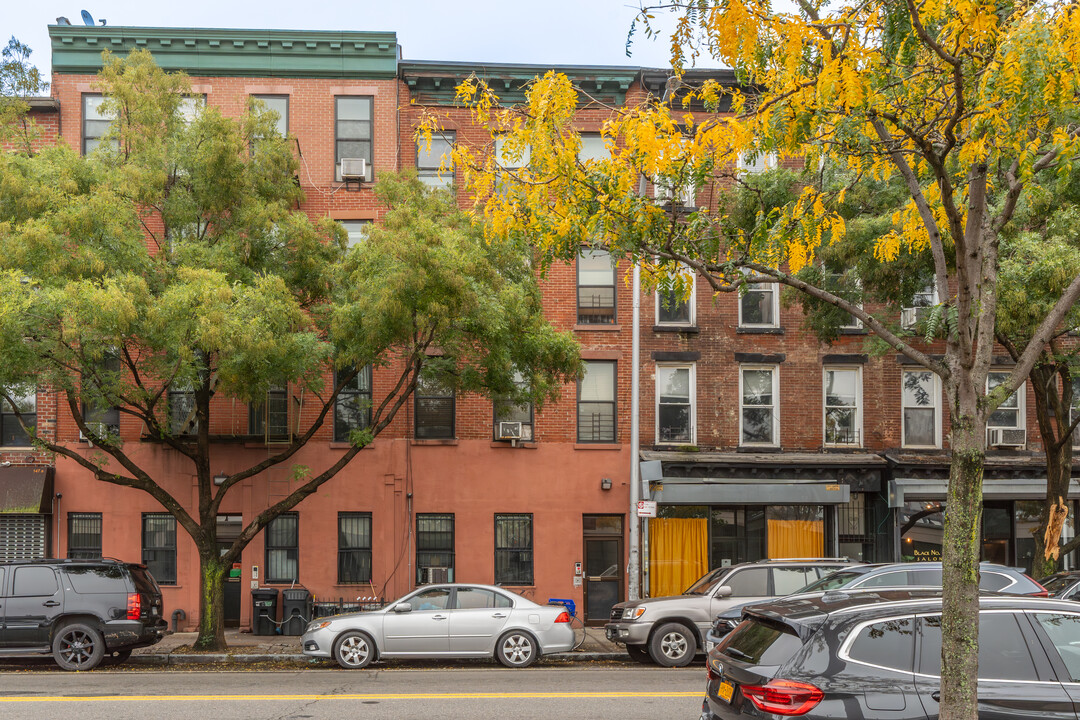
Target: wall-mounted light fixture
[
  {"x": 605, "y": 483},
  {"x": 220, "y": 478}
]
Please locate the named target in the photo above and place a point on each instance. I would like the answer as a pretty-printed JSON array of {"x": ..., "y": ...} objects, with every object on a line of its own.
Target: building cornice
[{"x": 212, "y": 52}]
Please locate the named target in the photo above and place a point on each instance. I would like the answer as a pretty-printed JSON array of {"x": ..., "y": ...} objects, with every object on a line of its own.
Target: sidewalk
[{"x": 176, "y": 649}]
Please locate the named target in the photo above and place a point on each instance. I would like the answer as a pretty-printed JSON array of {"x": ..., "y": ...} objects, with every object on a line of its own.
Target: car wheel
[
  {"x": 78, "y": 647},
  {"x": 517, "y": 649},
  {"x": 354, "y": 650},
  {"x": 672, "y": 645},
  {"x": 118, "y": 656},
  {"x": 639, "y": 653}
]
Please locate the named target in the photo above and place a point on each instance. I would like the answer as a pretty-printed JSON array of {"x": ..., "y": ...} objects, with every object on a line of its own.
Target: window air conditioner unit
[
  {"x": 509, "y": 431},
  {"x": 353, "y": 168},
  {"x": 912, "y": 316},
  {"x": 431, "y": 575},
  {"x": 1006, "y": 437}
]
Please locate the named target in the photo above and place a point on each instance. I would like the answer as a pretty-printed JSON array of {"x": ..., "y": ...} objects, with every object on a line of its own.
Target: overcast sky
[{"x": 576, "y": 32}]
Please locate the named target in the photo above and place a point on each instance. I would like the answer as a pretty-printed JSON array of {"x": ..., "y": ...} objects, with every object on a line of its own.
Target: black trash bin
[
  {"x": 296, "y": 606},
  {"x": 264, "y": 602}
]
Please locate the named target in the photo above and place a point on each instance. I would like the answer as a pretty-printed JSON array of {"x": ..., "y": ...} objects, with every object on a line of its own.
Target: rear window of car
[
  {"x": 144, "y": 581},
  {"x": 1057, "y": 583},
  {"x": 994, "y": 581},
  {"x": 96, "y": 579},
  {"x": 759, "y": 643},
  {"x": 889, "y": 644},
  {"x": 832, "y": 581},
  {"x": 1003, "y": 652}
]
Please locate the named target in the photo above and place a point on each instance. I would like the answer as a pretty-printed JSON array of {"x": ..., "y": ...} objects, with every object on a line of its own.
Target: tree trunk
[
  {"x": 1058, "y": 475},
  {"x": 960, "y": 559},
  {"x": 211, "y": 601}
]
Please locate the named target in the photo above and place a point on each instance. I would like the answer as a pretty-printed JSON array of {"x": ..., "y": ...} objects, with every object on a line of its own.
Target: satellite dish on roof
[{"x": 87, "y": 18}]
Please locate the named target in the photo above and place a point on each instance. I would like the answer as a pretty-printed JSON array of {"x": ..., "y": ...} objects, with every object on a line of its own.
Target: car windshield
[
  {"x": 1056, "y": 584},
  {"x": 705, "y": 582},
  {"x": 831, "y": 582}
]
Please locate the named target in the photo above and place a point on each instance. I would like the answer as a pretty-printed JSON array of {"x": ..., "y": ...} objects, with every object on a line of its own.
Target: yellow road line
[{"x": 366, "y": 696}]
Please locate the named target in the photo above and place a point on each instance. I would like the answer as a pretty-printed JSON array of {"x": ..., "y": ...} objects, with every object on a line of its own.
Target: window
[
  {"x": 759, "y": 306},
  {"x": 850, "y": 322},
  {"x": 1064, "y": 633},
  {"x": 159, "y": 546},
  {"x": 11, "y": 432},
  {"x": 353, "y": 132},
  {"x": 889, "y": 644},
  {"x": 435, "y": 165},
  {"x": 596, "y": 403},
  {"x": 513, "y": 550},
  {"x": 1074, "y": 409},
  {"x": 510, "y": 156},
  {"x": 667, "y": 191},
  {"x": 277, "y": 104},
  {"x": 428, "y": 600},
  {"x": 434, "y": 410},
  {"x": 283, "y": 549},
  {"x": 470, "y": 598},
  {"x": 757, "y": 163},
  {"x": 759, "y": 395},
  {"x": 593, "y": 148},
  {"x": 920, "y": 301},
  {"x": 182, "y": 410},
  {"x": 270, "y": 418},
  {"x": 759, "y": 644},
  {"x": 752, "y": 582},
  {"x": 434, "y": 544},
  {"x": 505, "y": 412},
  {"x": 357, "y": 230},
  {"x": 595, "y": 287},
  {"x": 34, "y": 582},
  {"x": 100, "y": 417},
  {"x": 792, "y": 579},
  {"x": 843, "y": 395},
  {"x": 190, "y": 107},
  {"x": 95, "y": 124},
  {"x": 675, "y": 404},
  {"x": 354, "y": 548},
  {"x": 352, "y": 410},
  {"x": 1009, "y": 414},
  {"x": 1003, "y": 653},
  {"x": 84, "y": 535},
  {"x": 672, "y": 309},
  {"x": 921, "y": 416}
]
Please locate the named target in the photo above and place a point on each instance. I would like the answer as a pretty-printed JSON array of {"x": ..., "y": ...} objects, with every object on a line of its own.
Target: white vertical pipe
[{"x": 634, "y": 564}]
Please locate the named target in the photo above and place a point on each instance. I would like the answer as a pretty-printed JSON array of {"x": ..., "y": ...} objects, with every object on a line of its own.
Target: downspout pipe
[{"x": 633, "y": 567}]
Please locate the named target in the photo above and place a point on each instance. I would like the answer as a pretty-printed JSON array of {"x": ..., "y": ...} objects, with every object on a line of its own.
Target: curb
[{"x": 237, "y": 659}]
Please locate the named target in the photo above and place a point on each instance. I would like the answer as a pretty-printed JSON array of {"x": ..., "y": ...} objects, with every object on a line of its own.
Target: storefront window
[
  {"x": 796, "y": 531},
  {"x": 922, "y": 527},
  {"x": 737, "y": 535}
]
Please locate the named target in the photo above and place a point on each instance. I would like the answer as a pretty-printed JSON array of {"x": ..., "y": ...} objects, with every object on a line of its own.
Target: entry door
[
  {"x": 228, "y": 529},
  {"x": 603, "y": 577}
]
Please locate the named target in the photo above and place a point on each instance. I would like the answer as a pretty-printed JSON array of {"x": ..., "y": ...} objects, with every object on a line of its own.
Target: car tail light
[
  {"x": 134, "y": 608},
  {"x": 783, "y": 697},
  {"x": 563, "y": 617}
]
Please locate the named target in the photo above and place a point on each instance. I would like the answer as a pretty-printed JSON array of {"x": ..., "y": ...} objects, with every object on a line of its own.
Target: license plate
[{"x": 725, "y": 691}]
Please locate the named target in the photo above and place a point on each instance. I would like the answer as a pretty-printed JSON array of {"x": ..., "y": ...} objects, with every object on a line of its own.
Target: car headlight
[
  {"x": 317, "y": 625},
  {"x": 632, "y": 613}
]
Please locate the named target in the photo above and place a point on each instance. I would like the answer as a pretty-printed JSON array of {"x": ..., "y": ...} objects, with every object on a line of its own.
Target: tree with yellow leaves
[{"x": 964, "y": 104}]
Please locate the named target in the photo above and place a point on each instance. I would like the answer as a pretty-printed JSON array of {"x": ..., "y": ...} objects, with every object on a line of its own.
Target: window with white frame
[
  {"x": 435, "y": 164},
  {"x": 593, "y": 148},
  {"x": 843, "y": 398},
  {"x": 278, "y": 104},
  {"x": 356, "y": 229},
  {"x": 95, "y": 123},
  {"x": 672, "y": 308},
  {"x": 759, "y": 306},
  {"x": 921, "y": 412},
  {"x": 189, "y": 107},
  {"x": 1074, "y": 408},
  {"x": 511, "y": 155},
  {"x": 595, "y": 287},
  {"x": 675, "y": 404},
  {"x": 1009, "y": 414},
  {"x": 354, "y": 127},
  {"x": 920, "y": 302},
  {"x": 596, "y": 402},
  {"x": 679, "y": 188},
  {"x": 759, "y": 400},
  {"x": 850, "y": 321},
  {"x": 757, "y": 163},
  {"x": 506, "y": 412}
]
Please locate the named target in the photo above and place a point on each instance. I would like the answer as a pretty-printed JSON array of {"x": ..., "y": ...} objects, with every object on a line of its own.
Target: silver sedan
[{"x": 443, "y": 621}]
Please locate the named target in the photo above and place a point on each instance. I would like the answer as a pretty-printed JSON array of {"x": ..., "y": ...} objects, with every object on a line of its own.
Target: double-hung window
[
  {"x": 1074, "y": 408},
  {"x": 283, "y": 549},
  {"x": 270, "y": 418},
  {"x": 354, "y": 132},
  {"x": 190, "y": 106},
  {"x": 434, "y": 410},
  {"x": 513, "y": 550},
  {"x": 843, "y": 397},
  {"x": 595, "y": 287},
  {"x": 435, "y": 164},
  {"x": 278, "y": 104},
  {"x": 759, "y": 395},
  {"x": 672, "y": 308},
  {"x": 505, "y": 412},
  {"x": 159, "y": 546},
  {"x": 11, "y": 432},
  {"x": 756, "y": 163},
  {"x": 84, "y": 535},
  {"x": 675, "y": 404},
  {"x": 1009, "y": 415},
  {"x": 921, "y": 414},
  {"x": 596, "y": 403},
  {"x": 356, "y": 229},
  {"x": 95, "y": 123},
  {"x": 921, "y": 302},
  {"x": 434, "y": 544},
  {"x": 101, "y": 417},
  {"x": 352, "y": 410},
  {"x": 182, "y": 410},
  {"x": 354, "y": 548},
  {"x": 759, "y": 306}
]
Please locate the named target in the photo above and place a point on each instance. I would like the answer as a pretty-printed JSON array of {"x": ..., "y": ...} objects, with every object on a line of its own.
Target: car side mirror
[
  {"x": 403, "y": 607},
  {"x": 723, "y": 591}
]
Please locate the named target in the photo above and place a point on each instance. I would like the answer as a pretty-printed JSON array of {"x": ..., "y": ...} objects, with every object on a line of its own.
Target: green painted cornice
[
  {"x": 76, "y": 49},
  {"x": 435, "y": 81}
]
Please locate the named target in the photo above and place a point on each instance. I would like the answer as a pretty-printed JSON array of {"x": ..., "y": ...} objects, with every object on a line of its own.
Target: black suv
[
  {"x": 877, "y": 654},
  {"x": 80, "y": 611}
]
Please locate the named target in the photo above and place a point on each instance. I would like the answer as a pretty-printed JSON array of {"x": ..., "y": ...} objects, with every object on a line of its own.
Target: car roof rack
[
  {"x": 804, "y": 559},
  {"x": 64, "y": 561}
]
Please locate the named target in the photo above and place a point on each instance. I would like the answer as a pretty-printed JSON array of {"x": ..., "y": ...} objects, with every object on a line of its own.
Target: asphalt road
[{"x": 468, "y": 692}]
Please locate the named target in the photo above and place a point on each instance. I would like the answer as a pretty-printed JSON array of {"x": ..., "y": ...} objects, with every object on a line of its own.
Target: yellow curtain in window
[
  {"x": 796, "y": 538},
  {"x": 678, "y": 554}
]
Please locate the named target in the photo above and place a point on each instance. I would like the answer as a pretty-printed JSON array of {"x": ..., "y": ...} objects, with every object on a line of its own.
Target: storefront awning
[
  {"x": 724, "y": 491},
  {"x": 26, "y": 490},
  {"x": 1028, "y": 488}
]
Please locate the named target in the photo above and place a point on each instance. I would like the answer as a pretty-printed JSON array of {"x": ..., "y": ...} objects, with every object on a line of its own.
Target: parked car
[
  {"x": 992, "y": 578},
  {"x": 877, "y": 654},
  {"x": 80, "y": 611},
  {"x": 669, "y": 630},
  {"x": 443, "y": 621},
  {"x": 1063, "y": 585}
]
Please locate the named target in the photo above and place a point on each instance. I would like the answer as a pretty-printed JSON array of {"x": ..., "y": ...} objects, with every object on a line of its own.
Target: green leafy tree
[
  {"x": 19, "y": 81},
  {"x": 173, "y": 258}
]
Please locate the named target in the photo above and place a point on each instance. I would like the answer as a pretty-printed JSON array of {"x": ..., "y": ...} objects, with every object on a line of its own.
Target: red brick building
[{"x": 756, "y": 439}]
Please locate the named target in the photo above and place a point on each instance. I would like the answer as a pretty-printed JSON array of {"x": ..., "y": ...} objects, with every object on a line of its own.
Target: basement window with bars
[
  {"x": 283, "y": 549},
  {"x": 434, "y": 544},
  {"x": 84, "y": 535},
  {"x": 513, "y": 550}
]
